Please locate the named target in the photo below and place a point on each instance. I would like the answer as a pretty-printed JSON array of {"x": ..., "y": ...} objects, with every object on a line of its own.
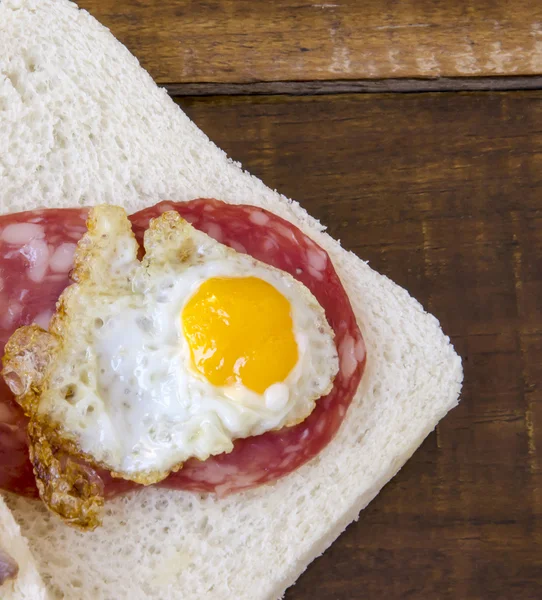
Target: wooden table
[{"x": 442, "y": 192}]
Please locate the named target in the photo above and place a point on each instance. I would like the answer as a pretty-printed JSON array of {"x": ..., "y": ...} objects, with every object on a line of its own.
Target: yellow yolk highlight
[{"x": 240, "y": 330}]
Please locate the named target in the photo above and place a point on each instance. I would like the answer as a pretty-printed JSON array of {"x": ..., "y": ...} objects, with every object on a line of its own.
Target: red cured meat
[
  {"x": 248, "y": 229},
  {"x": 34, "y": 269}
]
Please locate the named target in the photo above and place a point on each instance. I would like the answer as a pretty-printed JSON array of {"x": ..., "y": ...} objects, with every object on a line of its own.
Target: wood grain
[
  {"x": 257, "y": 40},
  {"x": 443, "y": 193},
  {"x": 304, "y": 88}
]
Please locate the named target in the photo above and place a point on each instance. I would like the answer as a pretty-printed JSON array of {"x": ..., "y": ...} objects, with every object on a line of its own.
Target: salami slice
[
  {"x": 36, "y": 256},
  {"x": 36, "y": 250}
]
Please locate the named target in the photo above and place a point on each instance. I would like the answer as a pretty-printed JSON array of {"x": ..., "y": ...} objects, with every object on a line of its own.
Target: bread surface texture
[
  {"x": 80, "y": 124},
  {"x": 27, "y": 585}
]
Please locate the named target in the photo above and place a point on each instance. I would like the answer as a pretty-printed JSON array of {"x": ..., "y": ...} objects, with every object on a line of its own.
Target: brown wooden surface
[
  {"x": 443, "y": 193},
  {"x": 286, "y": 40},
  {"x": 309, "y": 88}
]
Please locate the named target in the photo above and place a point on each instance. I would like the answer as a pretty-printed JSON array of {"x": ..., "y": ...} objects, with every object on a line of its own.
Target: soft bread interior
[
  {"x": 82, "y": 123},
  {"x": 27, "y": 585}
]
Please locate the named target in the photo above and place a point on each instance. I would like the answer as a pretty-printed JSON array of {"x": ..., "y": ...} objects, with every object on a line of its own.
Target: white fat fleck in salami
[
  {"x": 215, "y": 231},
  {"x": 237, "y": 246},
  {"x": 76, "y": 234},
  {"x": 62, "y": 258},
  {"x": 12, "y": 313},
  {"x": 165, "y": 206},
  {"x": 37, "y": 254},
  {"x": 317, "y": 259},
  {"x": 360, "y": 350},
  {"x": 317, "y": 274},
  {"x": 43, "y": 319},
  {"x": 285, "y": 231},
  {"x": 210, "y": 471},
  {"x": 22, "y": 233},
  {"x": 258, "y": 217},
  {"x": 320, "y": 426},
  {"x": 349, "y": 361},
  {"x": 245, "y": 481},
  {"x": 57, "y": 277},
  {"x": 270, "y": 243}
]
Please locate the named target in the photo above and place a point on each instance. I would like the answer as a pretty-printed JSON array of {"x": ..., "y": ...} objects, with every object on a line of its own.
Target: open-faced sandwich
[{"x": 201, "y": 389}]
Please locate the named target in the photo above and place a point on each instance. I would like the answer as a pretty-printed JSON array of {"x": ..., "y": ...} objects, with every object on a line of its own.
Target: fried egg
[{"x": 177, "y": 355}]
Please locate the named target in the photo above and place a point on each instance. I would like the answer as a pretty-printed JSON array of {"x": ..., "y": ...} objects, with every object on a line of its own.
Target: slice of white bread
[
  {"x": 81, "y": 123},
  {"x": 27, "y": 585}
]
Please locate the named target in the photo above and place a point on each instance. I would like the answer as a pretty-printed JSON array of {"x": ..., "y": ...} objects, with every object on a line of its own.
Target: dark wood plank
[
  {"x": 443, "y": 193},
  {"x": 248, "y": 40},
  {"x": 312, "y": 88}
]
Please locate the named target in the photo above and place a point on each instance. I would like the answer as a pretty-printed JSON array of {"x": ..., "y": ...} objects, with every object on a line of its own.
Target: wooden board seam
[{"x": 301, "y": 88}]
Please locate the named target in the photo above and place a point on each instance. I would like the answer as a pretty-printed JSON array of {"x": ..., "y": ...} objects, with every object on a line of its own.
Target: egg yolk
[{"x": 240, "y": 330}]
